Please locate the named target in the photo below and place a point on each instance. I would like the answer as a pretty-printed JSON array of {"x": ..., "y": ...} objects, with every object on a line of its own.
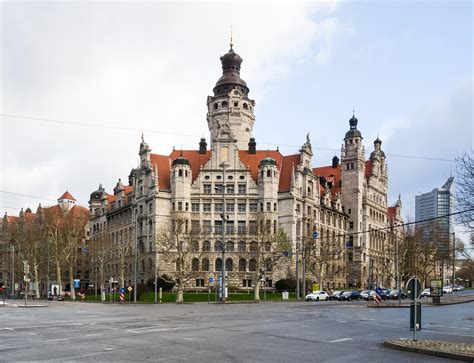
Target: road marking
[
  {"x": 342, "y": 321},
  {"x": 442, "y": 332},
  {"x": 11, "y": 329},
  {"x": 340, "y": 340}
]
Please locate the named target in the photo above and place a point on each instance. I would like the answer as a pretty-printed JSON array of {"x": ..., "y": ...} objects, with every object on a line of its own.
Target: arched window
[
  {"x": 268, "y": 265},
  {"x": 218, "y": 246},
  {"x": 269, "y": 173},
  {"x": 224, "y": 103},
  {"x": 246, "y": 106},
  {"x": 143, "y": 265},
  {"x": 195, "y": 265},
  {"x": 229, "y": 246},
  {"x": 242, "y": 265},
  {"x": 206, "y": 246},
  {"x": 216, "y": 105},
  {"x": 242, "y": 246},
  {"x": 180, "y": 172},
  {"x": 252, "y": 265},
  {"x": 218, "y": 265},
  {"x": 253, "y": 246},
  {"x": 205, "y": 264},
  {"x": 195, "y": 246},
  {"x": 150, "y": 265},
  {"x": 229, "y": 264},
  {"x": 185, "y": 173}
]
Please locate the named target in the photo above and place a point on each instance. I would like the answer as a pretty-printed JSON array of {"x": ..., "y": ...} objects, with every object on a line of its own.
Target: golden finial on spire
[{"x": 231, "y": 43}]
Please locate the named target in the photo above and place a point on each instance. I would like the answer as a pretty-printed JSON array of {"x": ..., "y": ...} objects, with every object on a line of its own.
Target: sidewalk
[
  {"x": 445, "y": 300},
  {"x": 459, "y": 351}
]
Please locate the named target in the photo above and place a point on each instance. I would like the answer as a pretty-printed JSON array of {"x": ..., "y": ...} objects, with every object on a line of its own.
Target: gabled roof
[
  {"x": 331, "y": 175},
  {"x": 391, "y": 213},
  {"x": 67, "y": 195},
  {"x": 368, "y": 168}
]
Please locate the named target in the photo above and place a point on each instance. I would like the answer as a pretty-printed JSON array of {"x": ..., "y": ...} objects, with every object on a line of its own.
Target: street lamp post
[
  {"x": 224, "y": 220},
  {"x": 135, "y": 260},
  {"x": 454, "y": 259}
]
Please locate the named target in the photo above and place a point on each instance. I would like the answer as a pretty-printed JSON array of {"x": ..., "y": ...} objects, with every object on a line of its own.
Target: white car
[
  {"x": 447, "y": 289},
  {"x": 426, "y": 293},
  {"x": 317, "y": 295}
]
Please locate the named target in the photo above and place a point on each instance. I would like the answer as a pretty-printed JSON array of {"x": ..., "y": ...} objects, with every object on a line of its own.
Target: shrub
[{"x": 285, "y": 285}]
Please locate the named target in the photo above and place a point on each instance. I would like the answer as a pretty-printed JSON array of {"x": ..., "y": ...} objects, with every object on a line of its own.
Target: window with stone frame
[
  {"x": 194, "y": 207},
  {"x": 242, "y": 246},
  {"x": 230, "y": 207},
  {"x": 241, "y": 207},
  {"x": 205, "y": 264},
  {"x": 229, "y": 227},
  {"x": 207, "y": 226},
  {"x": 207, "y": 189},
  {"x": 253, "y": 207},
  {"x": 200, "y": 283},
  {"x": 242, "y": 265},
  {"x": 218, "y": 227},
  {"x": 242, "y": 188},
  {"x": 206, "y": 207},
  {"x": 195, "y": 265},
  {"x": 218, "y": 207},
  {"x": 195, "y": 227},
  {"x": 241, "y": 227},
  {"x": 252, "y": 227}
]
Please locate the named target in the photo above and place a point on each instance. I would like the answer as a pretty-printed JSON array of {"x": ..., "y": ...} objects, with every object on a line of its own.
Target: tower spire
[{"x": 231, "y": 42}]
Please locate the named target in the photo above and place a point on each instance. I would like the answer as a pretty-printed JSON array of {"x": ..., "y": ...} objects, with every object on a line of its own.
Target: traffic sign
[
  {"x": 315, "y": 235},
  {"x": 129, "y": 289},
  {"x": 378, "y": 295},
  {"x": 77, "y": 283},
  {"x": 86, "y": 250},
  {"x": 122, "y": 290},
  {"x": 211, "y": 280},
  {"x": 414, "y": 288}
]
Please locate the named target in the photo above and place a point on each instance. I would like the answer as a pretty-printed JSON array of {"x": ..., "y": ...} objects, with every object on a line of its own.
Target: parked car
[
  {"x": 335, "y": 294},
  {"x": 367, "y": 295},
  {"x": 458, "y": 288},
  {"x": 447, "y": 289},
  {"x": 317, "y": 295},
  {"x": 393, "y": 295},
  {"x": 384, "y": 295},
  {"x": 350, "y": 295},
  {"x": 426, "y": 293}
]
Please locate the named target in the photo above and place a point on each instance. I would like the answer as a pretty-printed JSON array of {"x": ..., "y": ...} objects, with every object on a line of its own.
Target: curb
[
  {"x": 422, "y": 303},
  {"x": 436, "y": 353}
]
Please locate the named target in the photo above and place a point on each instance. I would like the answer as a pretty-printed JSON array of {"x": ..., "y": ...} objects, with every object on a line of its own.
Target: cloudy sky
[{"x": 404, "y": 67}]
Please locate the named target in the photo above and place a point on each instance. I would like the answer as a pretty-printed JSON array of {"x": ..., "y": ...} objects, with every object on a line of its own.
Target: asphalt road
[{"x": 277, "y": 332}]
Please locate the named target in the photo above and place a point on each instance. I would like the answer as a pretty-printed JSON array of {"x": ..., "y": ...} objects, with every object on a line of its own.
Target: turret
[
  {"x": 268, "y": 177},
  {"x": 230, "y": 111},
  {"x": 181, "y": 178},
  {"x": 66, "y": 201}
]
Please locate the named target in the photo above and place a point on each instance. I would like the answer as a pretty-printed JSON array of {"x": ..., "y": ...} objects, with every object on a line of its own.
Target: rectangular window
[
  {"x": 218, "y": 227},
  {"x": 229, "y": 227},
  {"x": 195, "y": 207},
  {"x": 229, "y": 207},
  {"x": 180, "y": 205},
  {"x": 247, "y": 283},
  {"x": 230, "y": 188},
  {"x": 274, "y": 207},
  {"x": 253, "y": 207},
  {"x": 351, "y": 225},
  {"x": 194, "y": 226},
  {"x": 150, "y": 207},
  {"x": 207, "y": 189},
  {"x": 241, "y": 227},
  {"x": 206, "y": 207},
  {"x": 206, "y": 226},
  {"x": 200, "y": 283},
  {"x": 253, "y": 227},
  {"x": 261, "y": 207},
  {"x": 242, "y": 207},
  {"x": 218, "y": 207},
  {"x": 269, "y": 208},
  {"x": 242, "y": 188},
  {"x": 218, "y": 188},
  {"x": 349, "y": 256}
]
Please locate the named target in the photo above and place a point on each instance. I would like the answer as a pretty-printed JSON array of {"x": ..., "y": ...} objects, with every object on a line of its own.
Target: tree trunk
[
  {"x": 102, "y": 283},
  {"x": 71, "y": 281},
  {"x": 122, "y": 275},
  {"x": 256, "y": 290},
  {"x": 59, "y": 277},
  {"x": 180, "y": 297},
  {"x": 37, "y": 280}
]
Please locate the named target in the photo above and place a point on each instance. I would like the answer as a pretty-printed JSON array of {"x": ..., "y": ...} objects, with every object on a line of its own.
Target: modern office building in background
[{"x": 439, "y": 202}]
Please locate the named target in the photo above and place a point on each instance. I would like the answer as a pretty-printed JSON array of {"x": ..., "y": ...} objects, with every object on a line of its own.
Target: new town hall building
[{"x": 345, "y": 202}]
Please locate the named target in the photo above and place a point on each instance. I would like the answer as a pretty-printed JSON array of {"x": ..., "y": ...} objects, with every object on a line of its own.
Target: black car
[
  {"x": 350, "y": 295},
  {"x": 394, "y": 294},
  {"x": 335, "y": 295}
]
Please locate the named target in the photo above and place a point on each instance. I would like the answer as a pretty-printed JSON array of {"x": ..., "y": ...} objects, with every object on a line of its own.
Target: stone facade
[{"x": 236, "y": 197}]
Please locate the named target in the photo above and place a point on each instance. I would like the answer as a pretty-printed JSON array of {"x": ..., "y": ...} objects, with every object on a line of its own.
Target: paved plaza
[{"x": 277, "y": 332}]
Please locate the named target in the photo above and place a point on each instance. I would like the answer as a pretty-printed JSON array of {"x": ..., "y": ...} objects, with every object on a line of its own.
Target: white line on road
[{"x": 340, "y": 340}]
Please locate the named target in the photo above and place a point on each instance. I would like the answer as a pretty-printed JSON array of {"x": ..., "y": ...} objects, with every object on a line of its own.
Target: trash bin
[{"x": 284, "y": 295}]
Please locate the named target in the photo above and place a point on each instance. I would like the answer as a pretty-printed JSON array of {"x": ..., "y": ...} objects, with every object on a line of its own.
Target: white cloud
[{"x": 138, "y": 65}]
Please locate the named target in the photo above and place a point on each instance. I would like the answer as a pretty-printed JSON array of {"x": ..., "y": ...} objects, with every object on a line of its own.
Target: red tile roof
[
  {"x": 66, "y": 195},
  {"x": 368, "y": 168},
  {"x": 391, "y": 213},
  {"x": 331, "y": 175}
]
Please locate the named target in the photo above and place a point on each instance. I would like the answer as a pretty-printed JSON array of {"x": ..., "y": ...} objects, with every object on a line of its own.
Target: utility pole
[
  {"x": 224, "y": 220},
  {"x": 297, "y": 270},
  {"x": 156, "y": 276},
  {"x": 13, "y": 269},
  {"x": 454, "y": 259},
  {"x": 136, "y": 259},
  {"x": 303, "y": 257}
]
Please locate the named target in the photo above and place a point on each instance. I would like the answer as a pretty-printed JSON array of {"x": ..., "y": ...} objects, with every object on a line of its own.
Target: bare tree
[
  {"x": 266, "y": 251},
  {"x": 465, "y": 190},
  {"x": 176, "y": 242},
  {"x": 100, "y": 256},
  {"x": 324, "y": 257}
]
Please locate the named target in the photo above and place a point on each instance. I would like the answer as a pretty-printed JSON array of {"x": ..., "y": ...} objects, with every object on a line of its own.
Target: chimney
[
  {"x": 202, "y": 146},
  {"x": 252, "y": 146},
  {"x": 335, "y": 161}
]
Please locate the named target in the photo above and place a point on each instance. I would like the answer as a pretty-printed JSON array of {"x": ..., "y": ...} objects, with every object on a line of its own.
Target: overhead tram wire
[
  {"x": 396, "y": 225},
  {"x": 27, "y": 195},
  {"x": 121, "y": 128}
]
